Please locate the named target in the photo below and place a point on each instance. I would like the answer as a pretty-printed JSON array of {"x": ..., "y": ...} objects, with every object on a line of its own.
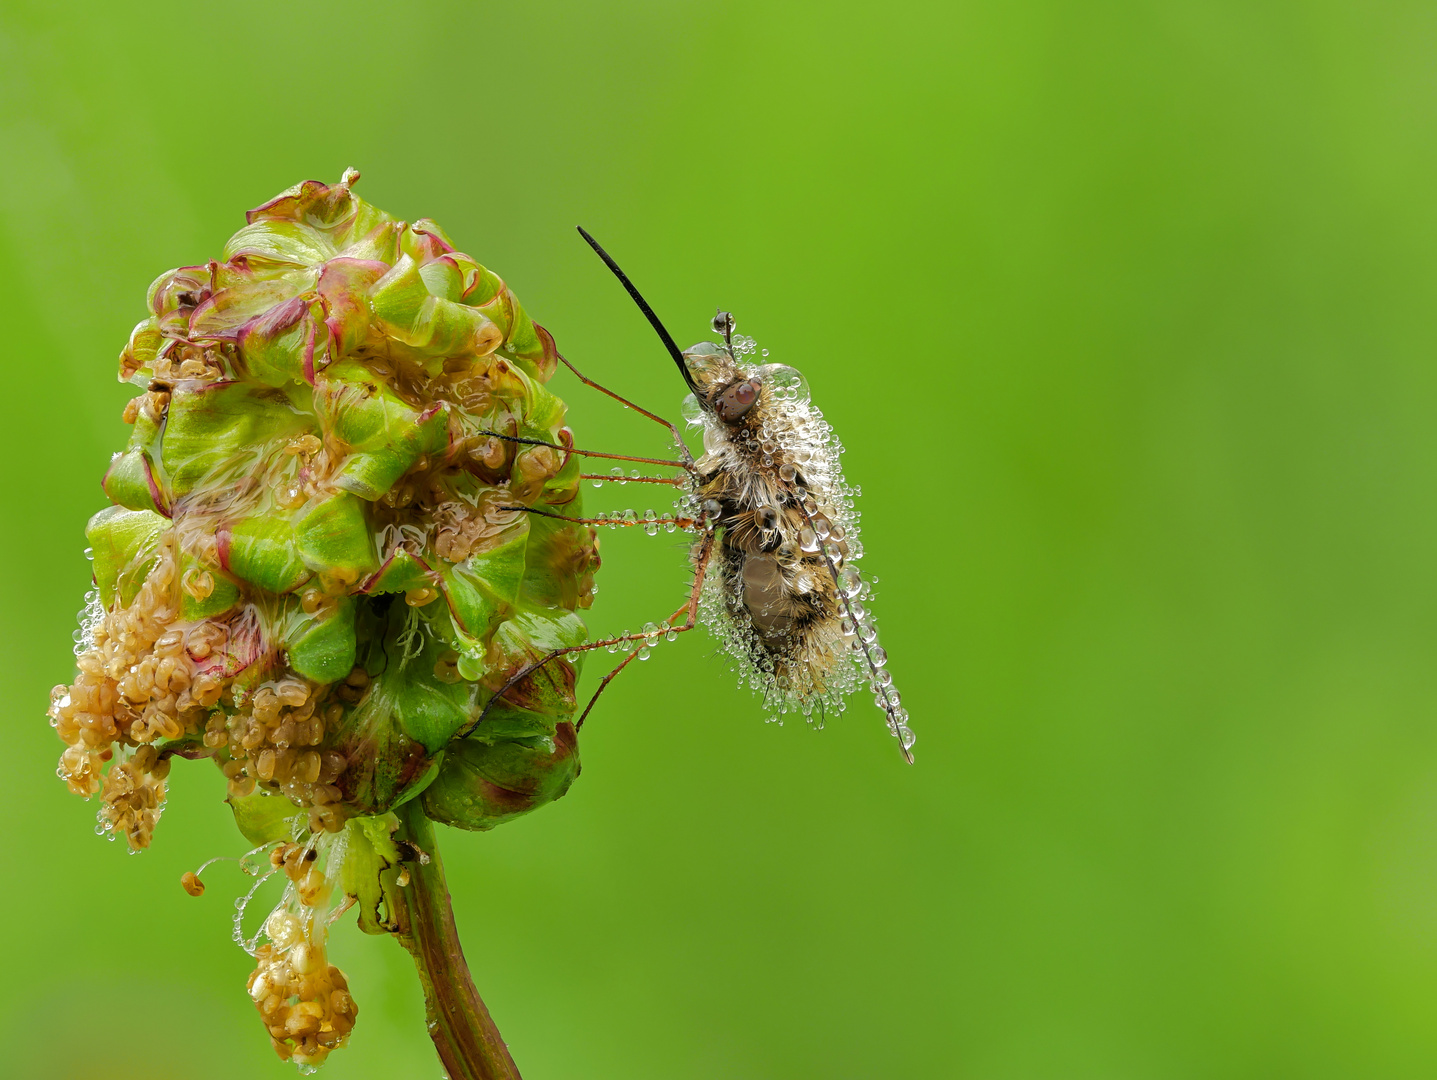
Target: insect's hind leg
[
  {"x": 603, "y": 684},
  {"x": 690, "y": 609}
]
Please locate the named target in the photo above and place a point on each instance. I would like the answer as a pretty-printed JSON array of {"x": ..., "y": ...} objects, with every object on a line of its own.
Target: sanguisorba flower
[{"x": 311, "y": 571}]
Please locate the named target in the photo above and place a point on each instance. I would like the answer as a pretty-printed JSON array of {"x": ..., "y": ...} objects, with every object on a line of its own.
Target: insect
[{"x": 776, "y": 534}]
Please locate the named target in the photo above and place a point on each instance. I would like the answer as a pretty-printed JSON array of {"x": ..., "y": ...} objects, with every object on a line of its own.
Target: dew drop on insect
[
  {"x": 787, "y": 381},
  {"x": 879, "y": 655},
  {"x": 823, "y": 527},
  {"x": 644, "y": 653},
  {"x": 692, "y": 411},
  {"x": 807, "y": 539},
  {"x": 882, "y": 678},
  {"x": 630, "y": 516},
  {"x": 787, "y": 472},
  {"x": 851, "y": 582}
]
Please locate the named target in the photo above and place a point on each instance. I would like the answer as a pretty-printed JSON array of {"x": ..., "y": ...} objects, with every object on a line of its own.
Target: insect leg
[
  {"x": 678, "y": 439},
  {"x": 586, "y": 453},
  {"x": 689, "y": 524},
  {"x": 604, "y": 682},
  {"x": 618, "y": 477},
  {"x": 691, "y": 609},
  {"x": 701, "y": 562}
]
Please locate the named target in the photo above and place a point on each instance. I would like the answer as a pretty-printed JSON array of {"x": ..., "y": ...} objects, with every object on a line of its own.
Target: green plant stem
[{"x": 470, "y": 1046}]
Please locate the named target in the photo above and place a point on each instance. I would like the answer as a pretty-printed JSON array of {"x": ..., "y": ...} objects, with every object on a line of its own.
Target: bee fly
[{"x": 777, "y": 534}]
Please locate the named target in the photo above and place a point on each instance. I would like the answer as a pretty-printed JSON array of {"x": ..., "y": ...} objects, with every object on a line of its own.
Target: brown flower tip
[{"x": 192, "y": 883}]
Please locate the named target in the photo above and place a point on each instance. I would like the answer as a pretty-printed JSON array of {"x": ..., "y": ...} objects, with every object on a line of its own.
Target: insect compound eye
[
  {"x": 737, "y": 400},
  {"x": 724, "y": 324}
]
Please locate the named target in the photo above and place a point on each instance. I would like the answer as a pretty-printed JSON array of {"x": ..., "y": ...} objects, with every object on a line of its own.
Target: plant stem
[{"x": 470, "y": 1046}]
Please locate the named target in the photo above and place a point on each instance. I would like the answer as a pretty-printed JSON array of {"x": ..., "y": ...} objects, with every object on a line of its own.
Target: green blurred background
[{"x": 1125, "y": 314}]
